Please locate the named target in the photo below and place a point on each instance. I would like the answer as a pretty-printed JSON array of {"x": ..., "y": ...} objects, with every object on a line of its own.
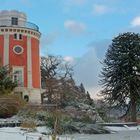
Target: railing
[{"x": 18, "y": 23}]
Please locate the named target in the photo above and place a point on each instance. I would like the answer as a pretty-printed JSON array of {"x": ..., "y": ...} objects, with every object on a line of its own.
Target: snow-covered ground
[
  {"x": 8, "y": 133},
  {"x": 18, "y": 134},
  {"x": 122, "y": 135},
  {"x": 15, "y": 133},
  {"x": 123, "y": 128}
]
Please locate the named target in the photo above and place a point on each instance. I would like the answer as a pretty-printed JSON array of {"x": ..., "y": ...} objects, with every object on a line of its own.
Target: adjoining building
[{"x": 19, "y": 48}]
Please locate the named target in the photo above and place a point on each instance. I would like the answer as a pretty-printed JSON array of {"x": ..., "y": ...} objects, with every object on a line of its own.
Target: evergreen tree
[
  {"x": 121, "y": 73},
  {"x": 90, "y": 100},
  {"x": 6, "y": 83},
  {"x": 82, "y": 88}
]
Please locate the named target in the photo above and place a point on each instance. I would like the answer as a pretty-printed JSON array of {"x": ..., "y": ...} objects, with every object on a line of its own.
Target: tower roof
[
  {"x": 5, "y": 14},
  {"x": 17, "y": 19}
]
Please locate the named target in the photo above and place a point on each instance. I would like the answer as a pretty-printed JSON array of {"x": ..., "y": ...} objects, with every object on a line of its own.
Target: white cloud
[
  {"x": 99, "y": 9},
  {"x": 69, "y": 59},
  {"x": 88, "y": 67},
  {"x": 136, "y": 21},
  {"x": 74, "y": 26},
  {"x": 86, "y": 71},
  {"x": 48, "y": 41}
]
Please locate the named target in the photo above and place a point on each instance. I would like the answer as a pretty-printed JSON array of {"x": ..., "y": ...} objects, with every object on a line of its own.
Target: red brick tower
[{"x": 19, "y": 48}]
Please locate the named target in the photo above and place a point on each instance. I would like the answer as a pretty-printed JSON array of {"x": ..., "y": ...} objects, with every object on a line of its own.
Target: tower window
[
  {"x": 18, "y": 49},
  {"x": 20, "y": 36},
  {"x": 14, "y": 21},
  {"x": 15, "y": 36},
  {"x": 18, "y": 76}
]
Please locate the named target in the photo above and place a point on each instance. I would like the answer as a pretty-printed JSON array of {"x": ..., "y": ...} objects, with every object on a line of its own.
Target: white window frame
[
  {"x": 18, "y": 35},
  {"x": 19, "y": 68},
  {"x": 14, "y": 21},
  {"x": 22, "y": 50}
]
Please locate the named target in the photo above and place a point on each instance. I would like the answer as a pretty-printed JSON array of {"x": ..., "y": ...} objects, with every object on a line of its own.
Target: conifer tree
[
  {"x": 121, "y": 73},
  {"x": 82, "y": 88},
  {"x": 6, "y": 83}
]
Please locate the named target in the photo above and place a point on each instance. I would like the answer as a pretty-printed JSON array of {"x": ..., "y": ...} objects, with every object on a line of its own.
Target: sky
[{"x": 79, "y": 30}]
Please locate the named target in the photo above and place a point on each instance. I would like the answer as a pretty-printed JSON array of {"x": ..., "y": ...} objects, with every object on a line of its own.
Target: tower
[{"x": 19, "y": 48}]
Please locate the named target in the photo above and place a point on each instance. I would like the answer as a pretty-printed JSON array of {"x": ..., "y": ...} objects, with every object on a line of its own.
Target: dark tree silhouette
[{"x": 121, "y": 73}]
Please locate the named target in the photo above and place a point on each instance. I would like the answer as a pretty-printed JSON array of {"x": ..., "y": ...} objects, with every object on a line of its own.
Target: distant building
[{"x": 19, "y": 48}]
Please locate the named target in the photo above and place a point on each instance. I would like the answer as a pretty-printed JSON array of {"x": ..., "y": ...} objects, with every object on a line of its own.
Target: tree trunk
[{"x": 133, "y": 110}]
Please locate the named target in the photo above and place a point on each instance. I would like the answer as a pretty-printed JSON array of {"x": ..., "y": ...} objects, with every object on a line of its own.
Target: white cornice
[{"x": 21, "y": 30}]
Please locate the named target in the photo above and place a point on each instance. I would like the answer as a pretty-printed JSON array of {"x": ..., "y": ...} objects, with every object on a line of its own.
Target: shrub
[
  {"x": 86, "y": 119},
  {"x": 10, "y": 105},
  {"x": 31, "y": 125}
]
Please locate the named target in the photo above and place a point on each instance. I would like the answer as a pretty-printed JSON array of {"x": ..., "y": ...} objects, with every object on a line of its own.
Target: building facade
[{"x": 19, "y": 48}]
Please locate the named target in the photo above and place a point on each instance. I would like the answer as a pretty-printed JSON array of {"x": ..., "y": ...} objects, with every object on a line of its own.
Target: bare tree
[{"x": 55, "y": 73}]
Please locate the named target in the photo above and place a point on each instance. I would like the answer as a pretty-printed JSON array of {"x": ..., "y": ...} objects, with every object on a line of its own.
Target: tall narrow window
[
  {"x": 14, "y": 21},
  {"x": 18, "y": 76},
  {"x": 15, "y": 36},
  {"x": 20, "y": 36}
]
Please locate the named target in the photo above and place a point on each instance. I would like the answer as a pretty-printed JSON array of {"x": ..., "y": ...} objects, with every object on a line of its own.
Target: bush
[
  {"x": 28, "y": 124},
  {"x": 86, "y": 119},
  {"x": 56, "y": 120},
  {"x": 10, "y": 105}
]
